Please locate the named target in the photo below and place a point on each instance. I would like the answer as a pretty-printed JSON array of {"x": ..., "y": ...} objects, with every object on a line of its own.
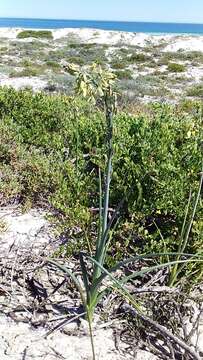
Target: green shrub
[
  {"x": 43, "y": 34},
  {"x": 192, "y": 56},
  {"x": 158, "y": 150},
  {"x": 123, "y": 74},
  {"x": 100, "y": 62},
  {"x": 173, "y": 67},
  {"x": 80, "y": 45},
  {"x": 26, "y": 63},
  {"x": 74, "y": 45},
  {"x": 61, "y": 82},
  {"x": 57, "y": 55},
  {"x": 137, "y": 57},
  {"x": 195, "y": 90},
  {"x": 3, "y": 50},
  {"x": 76, "y": 60},
  {"x": 118, "y": 65},
  {"x": 28, "y": 71},
  {"x": 89, "y": 55},
  {"x": 53, "y": 64}
]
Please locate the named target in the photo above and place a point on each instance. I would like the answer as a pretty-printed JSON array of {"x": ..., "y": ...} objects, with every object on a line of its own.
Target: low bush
[
  {"x": 42, "y": 34},
  {"x": 26, "y": 63},
  {"x": 76, "y": 60},
  {"x": 182, "y": 55},
  {"x": 57, "y": 55},
  {"x": 158, "y": 150},
  {"x": 176, "y": 68},
  {"x": 118, "y": 65},
  {"x": 123, "y": 74},
  {"x": 90, "y": 55},
  {"x": 26, "y": 72},
  {"x": 137, "y": 57},
  {"x": 3, "y": 50},
  {"x": 53, "y": 64},
  {"x": 61, "y": 82},
  {"x": 195, "y": 90},
  {"x": 79, "y": 45}
]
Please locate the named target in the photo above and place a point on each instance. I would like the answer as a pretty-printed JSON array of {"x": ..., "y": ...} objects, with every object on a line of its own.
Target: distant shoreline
[
  {"x": 124, "y": 26},
  {"x": 102, "y": 20}
]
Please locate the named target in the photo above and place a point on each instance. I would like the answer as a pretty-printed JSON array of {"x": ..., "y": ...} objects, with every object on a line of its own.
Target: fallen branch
[{"x": 163, "y": 331}]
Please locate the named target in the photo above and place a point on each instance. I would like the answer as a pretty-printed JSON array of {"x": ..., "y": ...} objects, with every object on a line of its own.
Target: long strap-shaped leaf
[
  {"x": 102, "y": 245},
  {"x": 84, "y": 275},
  {"x": 98, "y": 281},
  {"x": 184, "y": 241},
  {"x": 124, "y": 292},
  {"x": 156, "y": 267},
  {"x": 73, "y": 277}
]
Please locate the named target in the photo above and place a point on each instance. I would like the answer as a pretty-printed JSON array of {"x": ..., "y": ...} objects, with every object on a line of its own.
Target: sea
[{"x": 144, "y": 27}]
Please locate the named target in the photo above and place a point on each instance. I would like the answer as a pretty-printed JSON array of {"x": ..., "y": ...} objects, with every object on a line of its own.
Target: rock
[{"x": 70, "y": 328}]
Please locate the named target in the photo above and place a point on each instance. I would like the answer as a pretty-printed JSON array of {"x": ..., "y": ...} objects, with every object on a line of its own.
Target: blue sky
[{"x": 126, "y": 10}]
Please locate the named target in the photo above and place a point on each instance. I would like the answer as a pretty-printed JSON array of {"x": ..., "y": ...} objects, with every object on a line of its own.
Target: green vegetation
[
  {"x": 70, "y": 154},
  {"x": 123, "y": 57},
  {"x": 118, "y": 65},
  {"x": 99, "y": 84},
  {"x": 42, "y": 57},
  {"x": 76, "y": 60},
  {"x": 141, "y": 86},
  {"x": 80, "y": 45},
  {"x": 42, "y": 34},
  {"x": 3, "y": 50},
  {"x": 195, "y": 90},
  {"x": 28, "y": 71},
  {"x": 123, "y": 183},
  {"x": 195, "y": 57},
  {"x": 60, "y": 82},
  {"x": 137, "y": 57},
  {"x": 123, "y": 74},
  {"x": 80, "y": 54},
  {"x": 26, "y": 63},
  {"x": 176, "y": 68},
  {"x": 53, "y": 64},
  {"x": 159, "y": 152}
]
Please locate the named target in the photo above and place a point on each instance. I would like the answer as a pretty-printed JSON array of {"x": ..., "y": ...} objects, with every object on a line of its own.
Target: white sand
[
  {"x": 29, "y": 230},
  {"x": 28, "y": 233},
  {"x": 186, "y": 43},
  {"x": 17, "y": 83},
  {"x": 9, "y": 33}
]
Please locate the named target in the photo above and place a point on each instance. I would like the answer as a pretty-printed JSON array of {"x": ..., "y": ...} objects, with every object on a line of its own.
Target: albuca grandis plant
[{"x": 98, "y": 84}]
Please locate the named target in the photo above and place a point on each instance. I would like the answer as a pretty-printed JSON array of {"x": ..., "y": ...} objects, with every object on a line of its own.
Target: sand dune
[{"x": 173, "y": 42}]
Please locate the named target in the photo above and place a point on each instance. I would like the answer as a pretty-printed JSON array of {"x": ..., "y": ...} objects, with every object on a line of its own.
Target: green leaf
[{"x": 72, "y": 275}]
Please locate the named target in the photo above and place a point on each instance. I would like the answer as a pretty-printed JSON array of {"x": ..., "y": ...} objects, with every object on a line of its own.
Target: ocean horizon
[{"x": 142, "y": 27}]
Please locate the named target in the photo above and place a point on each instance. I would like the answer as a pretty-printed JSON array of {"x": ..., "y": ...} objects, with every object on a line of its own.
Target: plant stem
[
  {"x": 77, "y": 145},
  {"x": 109, "y": 120},
  {"x": 102, "y": 238},
  {"x": 89, "y": 319}
]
